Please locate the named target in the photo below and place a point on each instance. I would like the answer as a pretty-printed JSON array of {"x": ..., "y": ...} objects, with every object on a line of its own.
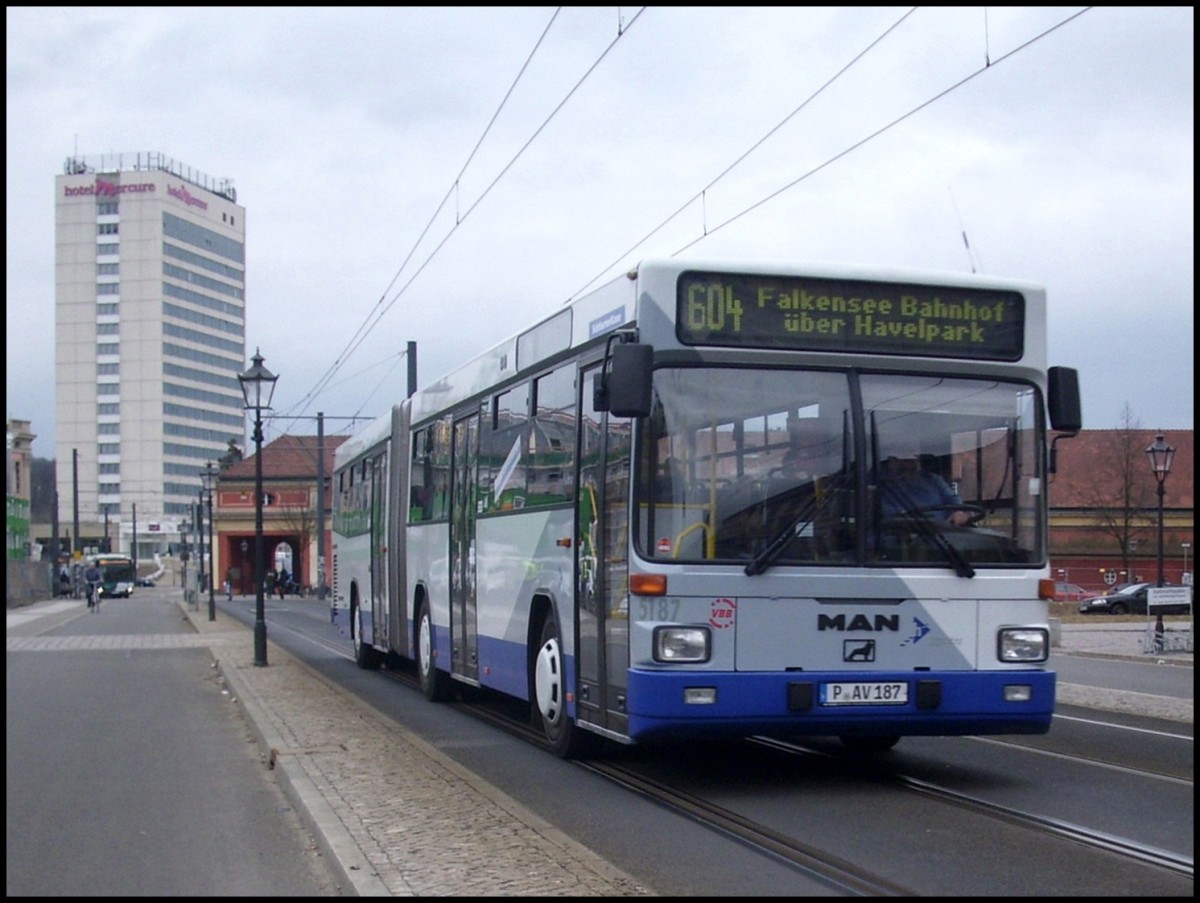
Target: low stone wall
[{"x": 27, "y": 582}]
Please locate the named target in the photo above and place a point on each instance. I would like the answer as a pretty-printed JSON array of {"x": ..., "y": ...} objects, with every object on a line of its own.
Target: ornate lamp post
[
  {"x": 258, "y": 385},
  {"x": 184, "y": 555},
  {"x": 1161, "y": 457},
  {"x": 208, "y": 479},
  {"x": 199, "y": 546}
]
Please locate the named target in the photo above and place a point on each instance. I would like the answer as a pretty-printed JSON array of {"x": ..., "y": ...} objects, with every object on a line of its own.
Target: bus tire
[
  {"x": 365, "y": 656},
  {"x": 435, "y": 684},
  {"x": 865, "y": 745},
  {"x": 563, "y": 737}
]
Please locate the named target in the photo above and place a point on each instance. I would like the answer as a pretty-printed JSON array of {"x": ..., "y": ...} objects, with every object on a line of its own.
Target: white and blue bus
[{"x": 725, "y": 499}]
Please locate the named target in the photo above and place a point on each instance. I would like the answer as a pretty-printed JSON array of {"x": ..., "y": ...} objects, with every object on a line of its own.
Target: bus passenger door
[
  {"x": 602, "y": 565},
  {"x": 463, "y": 508},
  {"x": 379, "y": 552}
]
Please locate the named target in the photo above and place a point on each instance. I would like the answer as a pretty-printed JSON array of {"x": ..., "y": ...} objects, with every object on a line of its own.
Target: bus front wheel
[{"x": 550, "y": 695}]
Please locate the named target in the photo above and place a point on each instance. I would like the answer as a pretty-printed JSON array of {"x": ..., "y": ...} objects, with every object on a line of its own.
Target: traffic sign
[{"x": 1168, "y": 595}]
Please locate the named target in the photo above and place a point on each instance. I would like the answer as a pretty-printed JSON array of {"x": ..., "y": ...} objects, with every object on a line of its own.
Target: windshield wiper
[
  {"x": 832, "y": 486},
  {"x": 927, "y": 530},
  {"x": 796, "y": 527}
]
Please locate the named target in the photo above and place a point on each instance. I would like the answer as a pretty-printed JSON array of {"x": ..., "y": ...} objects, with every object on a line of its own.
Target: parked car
[
  {"x": 1129, "y": 600},
  {"x": 1071, "y": 592}
]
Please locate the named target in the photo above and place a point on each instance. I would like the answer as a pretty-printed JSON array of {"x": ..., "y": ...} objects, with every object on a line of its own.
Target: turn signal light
[{"x": 648, "y": 584}]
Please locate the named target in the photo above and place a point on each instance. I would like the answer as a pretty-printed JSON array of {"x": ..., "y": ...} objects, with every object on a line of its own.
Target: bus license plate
[{"x": 865, "y": 693}]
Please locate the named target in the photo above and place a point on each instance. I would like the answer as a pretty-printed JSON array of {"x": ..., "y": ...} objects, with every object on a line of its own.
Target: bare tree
[
  {"x": 1121, "y": 490},
  {"x": 300, "y": 520}
]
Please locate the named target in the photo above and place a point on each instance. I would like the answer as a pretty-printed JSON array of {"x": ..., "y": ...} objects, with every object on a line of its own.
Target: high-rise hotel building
[{"x": 150, "y": 335}]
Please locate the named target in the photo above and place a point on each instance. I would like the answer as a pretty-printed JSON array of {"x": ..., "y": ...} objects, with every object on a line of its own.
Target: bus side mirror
[
  {"x": 624, "y": 389},
  {"x": 1065, "y": 413}
]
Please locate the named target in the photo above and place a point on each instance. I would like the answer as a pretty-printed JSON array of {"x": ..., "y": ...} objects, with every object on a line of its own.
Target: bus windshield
[
  {"x": 116, "y": 570},
  {"x": 773, "y": 467}
]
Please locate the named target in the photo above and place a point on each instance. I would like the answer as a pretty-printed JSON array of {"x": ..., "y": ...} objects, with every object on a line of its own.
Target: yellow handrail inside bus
[{"x": 698, "y": 525}]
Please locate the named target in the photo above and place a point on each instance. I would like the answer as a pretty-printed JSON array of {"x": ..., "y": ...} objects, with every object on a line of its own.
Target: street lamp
[
  {"x": 208, "y": 480},
  {"x": 184, "y": 555},
  {"x": 199, "y": 546},
  {"x": 258, "y": 385},
  {"x": 1161, "y": 457}
]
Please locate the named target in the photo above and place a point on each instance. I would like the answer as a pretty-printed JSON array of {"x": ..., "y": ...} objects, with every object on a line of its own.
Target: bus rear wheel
[
  {"x": 366, "y": 656},
  {"x": 550, "y": 696},
  {"x": 435, "y": 684}
]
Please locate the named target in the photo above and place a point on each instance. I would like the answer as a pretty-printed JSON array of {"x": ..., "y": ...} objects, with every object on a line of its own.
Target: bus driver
[{"x": 907, "y": 489}]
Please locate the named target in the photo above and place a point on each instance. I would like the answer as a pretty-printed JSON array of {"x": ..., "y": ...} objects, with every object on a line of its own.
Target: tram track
[
  {"x": 833, "y": 870},
  {"x": 1144, "y": 854},
  {"x": 1095, "y": 760},
  {"x": 836, "y": 873}
]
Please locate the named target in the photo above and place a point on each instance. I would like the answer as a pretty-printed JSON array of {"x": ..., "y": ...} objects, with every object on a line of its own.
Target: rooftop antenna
[{"x": 962, "y": 229}]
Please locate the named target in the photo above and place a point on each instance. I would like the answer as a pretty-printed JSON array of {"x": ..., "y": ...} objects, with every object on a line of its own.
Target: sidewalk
[
  {"x": 1129, "y": 641},
  {"x": 316, "y": 743},
  {"x": 1126, "y": 640}
]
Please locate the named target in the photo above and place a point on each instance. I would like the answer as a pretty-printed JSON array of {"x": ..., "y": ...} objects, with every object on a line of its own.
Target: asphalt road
[{"x": 129, "y": 773}]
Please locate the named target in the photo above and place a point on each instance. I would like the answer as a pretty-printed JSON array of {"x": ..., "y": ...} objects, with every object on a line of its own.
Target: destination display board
[{"x": 849, "y": 316}]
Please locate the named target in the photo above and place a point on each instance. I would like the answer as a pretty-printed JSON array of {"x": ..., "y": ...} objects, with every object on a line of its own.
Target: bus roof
[{"x": 594, "y": 315}]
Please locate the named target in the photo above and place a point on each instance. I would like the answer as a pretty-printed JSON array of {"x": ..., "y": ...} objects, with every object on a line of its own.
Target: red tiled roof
[
  {"x": 1095, "y": 457},
  {"x": 287, "y": 458}
]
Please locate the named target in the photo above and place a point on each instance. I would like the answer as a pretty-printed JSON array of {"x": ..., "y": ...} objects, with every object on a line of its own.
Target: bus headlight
[
  {"x": 682, "y": 644},
  {"x": 1024, "y": 644}
]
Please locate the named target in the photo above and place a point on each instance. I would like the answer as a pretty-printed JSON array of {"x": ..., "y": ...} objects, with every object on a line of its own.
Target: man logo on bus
[
  {"x": 723, "y": 611},
  {"x": 920, "y": 628}
]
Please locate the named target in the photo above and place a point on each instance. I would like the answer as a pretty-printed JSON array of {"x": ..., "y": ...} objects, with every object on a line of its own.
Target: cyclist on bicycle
[{"x": 92, "y": 576}]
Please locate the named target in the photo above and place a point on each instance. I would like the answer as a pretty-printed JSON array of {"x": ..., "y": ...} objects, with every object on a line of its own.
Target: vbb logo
[{"x": 723, "y": 612}]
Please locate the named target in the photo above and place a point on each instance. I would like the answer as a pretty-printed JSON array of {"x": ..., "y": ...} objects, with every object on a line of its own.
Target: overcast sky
[{"x": 1065, "y": 154}]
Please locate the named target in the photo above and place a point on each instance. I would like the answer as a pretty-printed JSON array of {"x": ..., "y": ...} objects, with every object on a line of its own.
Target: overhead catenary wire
[
  {"x": 510, "y": 164},
  {"x": 379, "y": 312},
  {"x": 367, "y": 325},
  {"x": 392, "y": 361},
  {"x": 702, "y": 194},
  {"x": 879, "y": 131},
  {"x": 381, "y": 308}
]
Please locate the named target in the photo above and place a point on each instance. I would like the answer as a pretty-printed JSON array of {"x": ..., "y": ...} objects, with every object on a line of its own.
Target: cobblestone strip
[
  {"x": 425, "y": 826},
  {"x": 115, "y": 641},
  {"x": 1128, "y": 702}
]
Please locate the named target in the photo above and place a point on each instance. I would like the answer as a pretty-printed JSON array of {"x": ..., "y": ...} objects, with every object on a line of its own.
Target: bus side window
[{"x": 420, "y": 505}]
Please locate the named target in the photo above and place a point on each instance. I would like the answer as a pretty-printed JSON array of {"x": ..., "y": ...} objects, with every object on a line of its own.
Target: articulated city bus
[{"x": 725, "y": 499}]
